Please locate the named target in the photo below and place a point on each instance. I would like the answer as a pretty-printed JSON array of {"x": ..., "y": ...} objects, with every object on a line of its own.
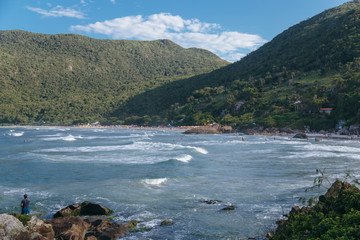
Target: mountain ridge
[
  {"x": 285, "y": 82},
  {"x": 69, "y": 78}
]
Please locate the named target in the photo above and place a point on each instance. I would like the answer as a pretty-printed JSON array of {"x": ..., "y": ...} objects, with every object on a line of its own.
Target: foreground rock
[
  {"x": 40, "y": 230},
  {"x": 69, "y": 227},
  {"x": 83, "y": 209},
  {"x": 212, "y": 129},
  {"x": 12, "y": 229},
  {"x": 101, "y": 228},
  {"x": 65, "y": 227}
]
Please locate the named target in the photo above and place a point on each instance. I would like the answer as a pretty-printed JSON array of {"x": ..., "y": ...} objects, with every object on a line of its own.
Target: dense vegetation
[
  {"x": 67, "y": 79},
  {"x": 335, "y": 216},
  {"x": 313, "y": 64},
  {"x": 73, "y": 79}
]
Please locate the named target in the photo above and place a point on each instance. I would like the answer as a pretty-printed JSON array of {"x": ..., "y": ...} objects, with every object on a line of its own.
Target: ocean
[{"x": 156, "y": 175}]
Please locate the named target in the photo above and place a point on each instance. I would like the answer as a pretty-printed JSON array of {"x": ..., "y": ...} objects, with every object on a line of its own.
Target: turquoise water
[{"x": 151, "y": 176}]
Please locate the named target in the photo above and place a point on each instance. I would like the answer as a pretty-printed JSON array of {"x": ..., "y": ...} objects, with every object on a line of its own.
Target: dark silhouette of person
[{"x": 25, "y": 205}]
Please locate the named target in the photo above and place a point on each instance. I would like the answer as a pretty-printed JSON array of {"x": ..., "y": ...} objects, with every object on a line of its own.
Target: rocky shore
[
  {"x": 81, "y": 221},
  {"x": 210, "y": 129}
]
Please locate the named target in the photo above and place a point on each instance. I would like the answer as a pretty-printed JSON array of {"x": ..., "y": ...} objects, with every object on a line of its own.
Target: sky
[{"x": 229, "y": 28}]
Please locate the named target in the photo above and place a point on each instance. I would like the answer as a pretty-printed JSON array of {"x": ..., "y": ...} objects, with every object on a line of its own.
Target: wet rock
[
  {"x": 83, "y": 209},
  {"x": 101, "y": 228},
  {"x": 69, "y": 228},
  {"x": 12, "y": 229},
  {"x": 228, "y": 208},
  {"x": 300, "y": 135},
  {"x": 166, "y": 223},
  {"x": 132, "y": 225},
  {"x": 212, "y": 201}
]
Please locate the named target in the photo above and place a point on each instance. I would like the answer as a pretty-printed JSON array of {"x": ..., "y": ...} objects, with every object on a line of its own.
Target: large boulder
[
  {"x": 12, "y": 229},
  {"x": 101, "y": 228},
  {"x": 39, "y": 230},
  {"x": 83, "y": 209},
  {"x": 300, "y": 135},
  {"x": 69, "y": 228}
]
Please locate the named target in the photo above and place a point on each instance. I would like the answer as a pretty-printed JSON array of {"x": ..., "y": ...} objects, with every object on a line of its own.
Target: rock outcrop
[
  {"x": 336, "y": 206},
  {"x": 101, "y": 228},
  {"x": 211, "y": 129},
  {"x": 300, "y": 135},
  {"x": 83, "y": 209},
  {"x": 64, "y": 226},
  {"x": 70, "y": 227},
  {"x": 40, "y": 230}
]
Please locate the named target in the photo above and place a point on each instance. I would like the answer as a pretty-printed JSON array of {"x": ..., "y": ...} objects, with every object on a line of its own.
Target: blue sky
[{"x": 229, "y": 28}]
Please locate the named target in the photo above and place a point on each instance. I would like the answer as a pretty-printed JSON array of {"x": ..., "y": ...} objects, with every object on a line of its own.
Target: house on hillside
[{"x": 326, "y": 111}]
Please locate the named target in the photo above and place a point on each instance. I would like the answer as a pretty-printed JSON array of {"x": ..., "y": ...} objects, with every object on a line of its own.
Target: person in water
[{"x": 25, "y": 205}]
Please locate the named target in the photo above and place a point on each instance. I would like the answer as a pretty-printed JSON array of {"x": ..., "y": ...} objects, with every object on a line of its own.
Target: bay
[{"x": 156, "y": 175}]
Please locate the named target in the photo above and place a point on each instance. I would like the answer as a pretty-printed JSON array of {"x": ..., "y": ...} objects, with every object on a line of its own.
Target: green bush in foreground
[
  {"x": 336, "y": 215},
  {"x": 24, "y": 219}
]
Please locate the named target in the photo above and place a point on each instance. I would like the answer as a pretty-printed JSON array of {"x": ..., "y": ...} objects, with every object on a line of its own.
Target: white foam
[
  {"x": 138, "y": 146},
  {"x": 155, "y": 181},
  {"x": 184, "y": 158},
  {"x": 331, "y": 148},
  {"x": 58, "y": 137},
  {"x": 16, "y": 134},
  {"x": 199, "y": 149}
]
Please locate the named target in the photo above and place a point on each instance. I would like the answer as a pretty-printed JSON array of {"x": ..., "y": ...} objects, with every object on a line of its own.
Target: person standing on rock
[{"x": 25, "y": 205}]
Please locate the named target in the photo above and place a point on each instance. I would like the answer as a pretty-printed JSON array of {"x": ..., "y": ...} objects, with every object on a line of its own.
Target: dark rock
[
  {"x": 228, "y": 208},
  {"x": 83, "y": 209},
  {"x": 104, "y": 229},
  {"x": 212, "y": 201},
  {"x": 300, "y": 135},
  {"x": 166, "y": 223},
  {"x": 69, "y": 228}
]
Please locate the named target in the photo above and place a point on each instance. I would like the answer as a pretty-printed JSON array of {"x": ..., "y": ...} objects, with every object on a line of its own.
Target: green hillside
[
  {"x": 312, "y": 65},
  {"x": 67, "y": 79}
]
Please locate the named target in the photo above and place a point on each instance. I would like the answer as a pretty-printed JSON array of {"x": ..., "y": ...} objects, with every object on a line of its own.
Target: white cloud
[
  {"x": 187, "y": 33},
  {"x": 58, "y": 11},
  {"x": 113, "y": 1}
]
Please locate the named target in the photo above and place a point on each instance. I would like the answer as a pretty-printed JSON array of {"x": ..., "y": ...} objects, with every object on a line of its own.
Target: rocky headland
[
  {"x": 335, "y": 215},
  {"x": 81, "y": 221}
]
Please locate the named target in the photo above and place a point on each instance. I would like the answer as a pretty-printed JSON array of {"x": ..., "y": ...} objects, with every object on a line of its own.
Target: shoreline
[{"x": 311, "y": 136}]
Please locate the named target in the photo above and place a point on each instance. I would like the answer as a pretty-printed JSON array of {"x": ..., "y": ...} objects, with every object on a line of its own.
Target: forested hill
[
  {"x": 67, "y": 78},
  {"x": 312, "y": 65}
]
